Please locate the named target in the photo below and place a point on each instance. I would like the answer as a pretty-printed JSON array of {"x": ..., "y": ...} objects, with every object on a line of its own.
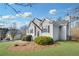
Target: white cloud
[
  {"x": 53, "y": 11},
  {"x": 24, "y": 15},
  {"x": 8, "y": 17},
  {"x": 19, "y": 24}
]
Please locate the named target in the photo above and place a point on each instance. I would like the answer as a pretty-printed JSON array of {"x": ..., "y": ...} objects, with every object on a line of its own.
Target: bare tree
[
  {"x": 73, "y": 16},
  {"x": 13, "y": 30},
  {"x": 23, "y": 30}
]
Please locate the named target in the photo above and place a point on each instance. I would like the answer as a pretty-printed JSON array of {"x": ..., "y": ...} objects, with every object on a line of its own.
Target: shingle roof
[{"x": 62, "y": 22}]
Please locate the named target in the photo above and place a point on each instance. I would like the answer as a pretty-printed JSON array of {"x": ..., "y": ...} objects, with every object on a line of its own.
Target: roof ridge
[{"x": 38, "y": 19}]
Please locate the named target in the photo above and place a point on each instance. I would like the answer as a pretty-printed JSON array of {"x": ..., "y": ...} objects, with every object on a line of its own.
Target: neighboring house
[
  {"x": 8, "y": 36},
  {"x": 55, "y": 29}
]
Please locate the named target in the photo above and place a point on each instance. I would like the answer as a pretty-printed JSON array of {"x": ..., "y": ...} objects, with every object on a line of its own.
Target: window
[
  {"x": 46, "y": 29},
  {"x": 31, "y": 30}
]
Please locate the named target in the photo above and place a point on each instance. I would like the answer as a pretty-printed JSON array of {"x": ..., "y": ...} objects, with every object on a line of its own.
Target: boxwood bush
[
  {"x": 27, "y": 38},
  {"x": 43, "y": 40}
]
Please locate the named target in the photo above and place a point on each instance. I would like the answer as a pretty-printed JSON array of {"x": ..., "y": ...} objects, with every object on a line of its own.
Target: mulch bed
[{"x": 28, "y": 46}]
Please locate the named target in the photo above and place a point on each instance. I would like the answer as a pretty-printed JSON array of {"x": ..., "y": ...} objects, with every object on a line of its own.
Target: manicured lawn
[{"x": 63, "y": 48}]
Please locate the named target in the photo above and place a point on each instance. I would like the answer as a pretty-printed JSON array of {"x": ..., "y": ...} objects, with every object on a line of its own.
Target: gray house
[{"x": 58, "y": 30}]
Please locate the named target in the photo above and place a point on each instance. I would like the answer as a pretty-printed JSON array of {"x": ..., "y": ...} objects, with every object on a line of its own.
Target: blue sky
[{"x": 37, "y": 10}]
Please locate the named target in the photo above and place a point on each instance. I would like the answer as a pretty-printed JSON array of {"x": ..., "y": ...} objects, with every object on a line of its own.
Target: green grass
[{"x": 64, "y": 48}]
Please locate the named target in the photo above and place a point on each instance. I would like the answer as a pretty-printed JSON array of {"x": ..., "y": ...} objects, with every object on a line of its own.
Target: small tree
[{"x": 13, "y": 33}]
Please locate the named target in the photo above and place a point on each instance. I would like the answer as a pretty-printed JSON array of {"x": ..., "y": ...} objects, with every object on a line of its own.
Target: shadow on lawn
[{"x": 77, "y": 41}]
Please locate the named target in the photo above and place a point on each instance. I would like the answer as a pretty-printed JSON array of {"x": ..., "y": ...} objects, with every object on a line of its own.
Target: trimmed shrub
[
  {"x": 43, "y": 40},
  {"x": 27, "y": 38}
]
